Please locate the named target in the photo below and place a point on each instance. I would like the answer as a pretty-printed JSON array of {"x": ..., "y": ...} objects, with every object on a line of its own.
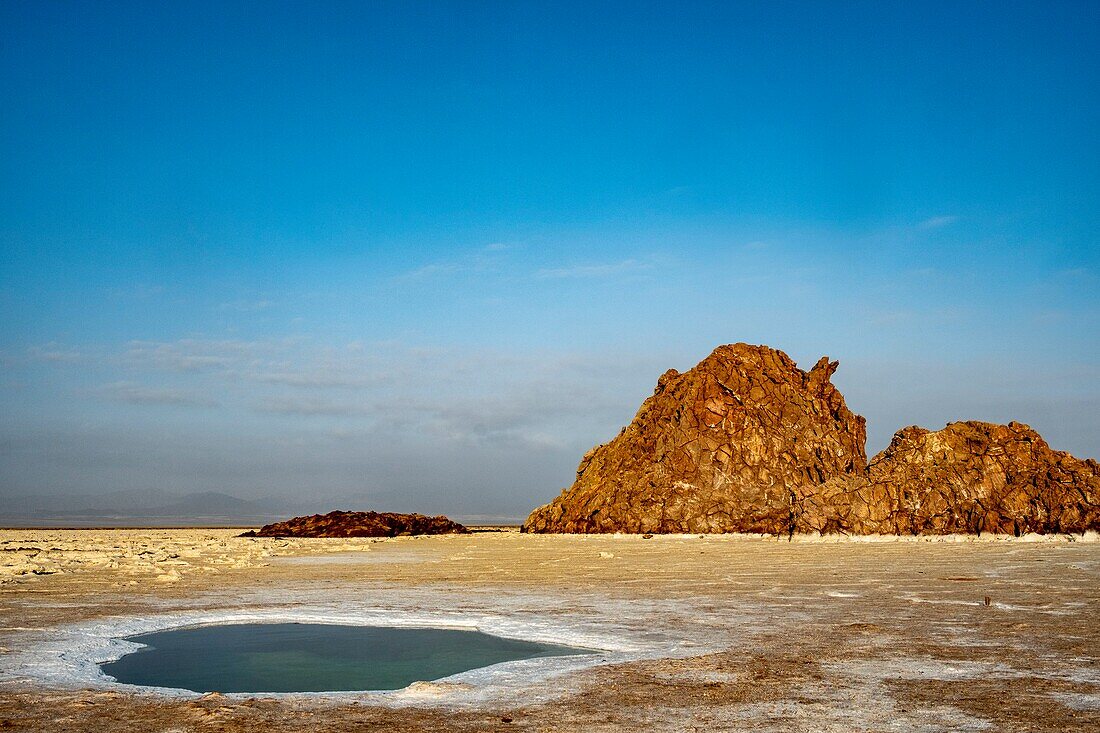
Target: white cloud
[
  {"x": 313, "y": 376},
  {"x": 609, "y": 269},
  {"x": 290, "y": 362},
  {"x": 246, "y": 306},
  {"x": 483, "y": 259},
  {"x": 434, "y": 269},
  {"x": 312, "y": 406},
  {"x": 889, "y": 318},
  {"x": 547, "y": 407},
  {"x": 54, "y": 352},
  {"x": 938, "y": 222},
  {"x": 189, "y": 355},
  {"x": 137, "y": 394}
]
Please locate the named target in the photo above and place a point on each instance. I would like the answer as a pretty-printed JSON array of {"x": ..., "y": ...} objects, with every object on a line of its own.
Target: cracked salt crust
[
  {"x": 162, "y": 555},
  {"x": 676, "y": 616}
]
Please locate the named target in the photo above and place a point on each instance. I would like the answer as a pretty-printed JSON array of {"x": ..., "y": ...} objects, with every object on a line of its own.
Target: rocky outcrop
[
  {"x": 724, "y": 447},
  {"x": 970, "y": 477},
  {"x": 359, "y": 524},
  {"x": 747, "y": 442}
]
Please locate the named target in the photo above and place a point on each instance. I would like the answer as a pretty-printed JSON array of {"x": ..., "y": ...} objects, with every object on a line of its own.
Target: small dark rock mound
[{"x": 359, "y": 524}]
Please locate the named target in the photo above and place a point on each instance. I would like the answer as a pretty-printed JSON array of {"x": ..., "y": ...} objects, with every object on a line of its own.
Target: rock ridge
[
  {"x": 747, "y": 442},
  {"x": 968, "y": 478}
]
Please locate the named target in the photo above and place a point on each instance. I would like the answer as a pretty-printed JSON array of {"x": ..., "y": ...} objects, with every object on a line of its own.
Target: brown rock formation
[
  {"x": 359, "y": 524},
  {"x": 970, "y": 477},
  {"x": 747, "y": 442},
  {"x": 724, "y": 447}
]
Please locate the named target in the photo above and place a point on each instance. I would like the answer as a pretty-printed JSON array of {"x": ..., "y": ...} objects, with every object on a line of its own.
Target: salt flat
[{"x": 687, "y": 632}]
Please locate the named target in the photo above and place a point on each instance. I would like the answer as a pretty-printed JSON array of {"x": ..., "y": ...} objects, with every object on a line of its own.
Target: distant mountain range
[
  {"x": 136, "y": 508},
  {"x": 153, "y": 508}
]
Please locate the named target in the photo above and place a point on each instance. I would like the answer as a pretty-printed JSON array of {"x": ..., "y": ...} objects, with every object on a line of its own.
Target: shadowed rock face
[
  {"x": 359, "y": 524},
  {"x": 970, "y": 477},
  {"x": 723, "y": 447},
  {"x": 747, "y": 442}
]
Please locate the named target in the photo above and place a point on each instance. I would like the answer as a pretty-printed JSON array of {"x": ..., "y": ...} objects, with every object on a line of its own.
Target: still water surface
[{"x": 313, "y": 657}]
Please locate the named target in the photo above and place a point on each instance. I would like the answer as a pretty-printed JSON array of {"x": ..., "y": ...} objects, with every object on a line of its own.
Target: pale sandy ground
[{"x": 713, "y": 633}]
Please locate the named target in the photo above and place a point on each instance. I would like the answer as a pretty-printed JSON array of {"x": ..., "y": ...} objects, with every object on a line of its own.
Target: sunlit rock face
[
  {"x": 969, "y": 477},
  {"x": 748, "y": 442},
  {"x": 723, "y": 447}
]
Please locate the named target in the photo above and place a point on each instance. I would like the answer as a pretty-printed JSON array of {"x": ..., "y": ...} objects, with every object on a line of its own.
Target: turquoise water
[{"x": 312, "y": 657}]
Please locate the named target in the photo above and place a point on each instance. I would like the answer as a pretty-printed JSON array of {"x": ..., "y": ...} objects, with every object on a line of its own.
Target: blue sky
[{"x": 423, "y": 255}]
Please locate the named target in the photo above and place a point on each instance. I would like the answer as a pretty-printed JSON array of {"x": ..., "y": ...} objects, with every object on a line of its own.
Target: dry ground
[{"x": 720, "y": 633}]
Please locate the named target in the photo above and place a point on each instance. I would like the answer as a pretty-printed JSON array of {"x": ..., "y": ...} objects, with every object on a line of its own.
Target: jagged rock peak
[{"x": 718, "y": 448}]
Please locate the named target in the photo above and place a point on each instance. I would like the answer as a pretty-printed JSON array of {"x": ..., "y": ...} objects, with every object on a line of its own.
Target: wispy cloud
[
  {"x": 189, "y": 355},
  {"x": 311, "y": 406},
  {"x": 54, "y": 352},
  {"x": 476, "y": 398},
  {"x": 319, "y": 376},
  {"x": 609, "y": 269},
  {"x": 246, "y": 306},
  {"x": 938, "y": 222},
  {"x": 527, "y": 414},
  {"x": 924, "y": 272},
  {"x": 138, "y": 394},
  {"x": 890, "y": 318},
  {"x": 141, "y": 291},
  {"x": 289, "y": 362},
  {"x": 1076, "y": 272},
  {"x": 897, "y": 317},
  {"x": 482, "y": 259}
]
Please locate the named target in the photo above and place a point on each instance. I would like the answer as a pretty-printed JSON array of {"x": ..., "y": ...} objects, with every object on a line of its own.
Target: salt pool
[{"x": 301, "y": 657}]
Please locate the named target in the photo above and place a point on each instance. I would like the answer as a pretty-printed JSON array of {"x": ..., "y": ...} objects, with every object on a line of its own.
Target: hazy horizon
[{"x": 423, "y": 257}]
